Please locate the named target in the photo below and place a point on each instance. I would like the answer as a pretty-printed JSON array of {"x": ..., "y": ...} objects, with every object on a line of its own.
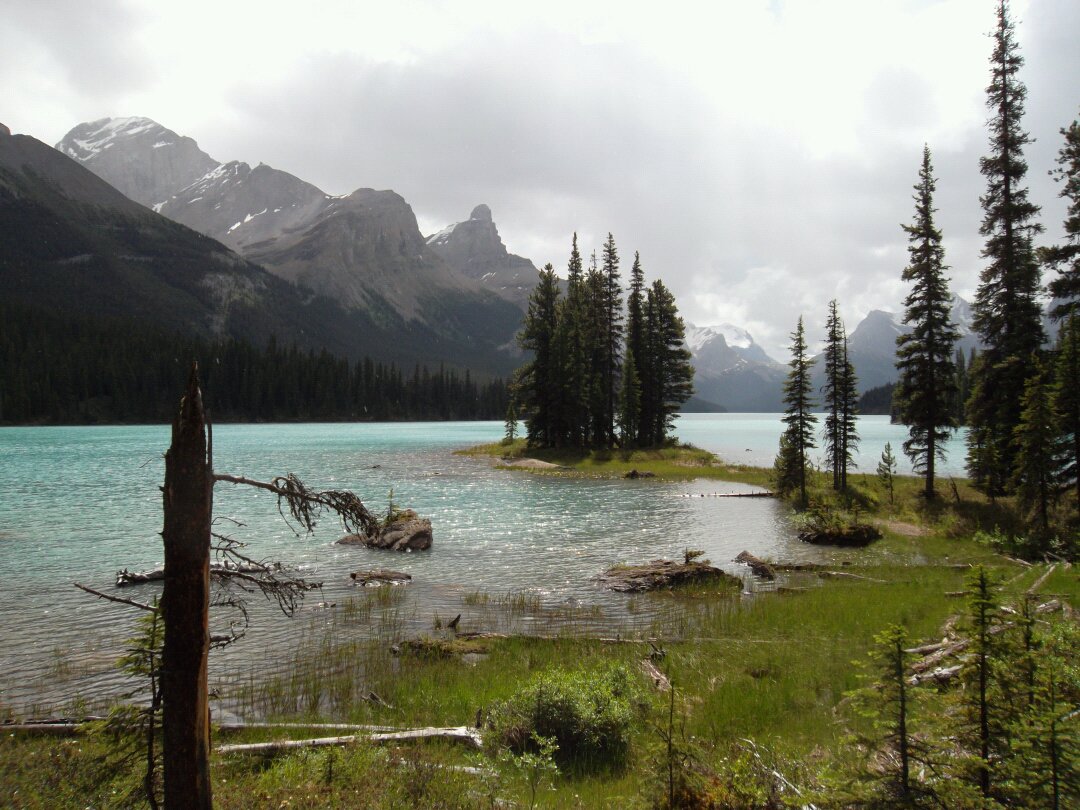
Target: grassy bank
[{"x": 760, "y": 680}]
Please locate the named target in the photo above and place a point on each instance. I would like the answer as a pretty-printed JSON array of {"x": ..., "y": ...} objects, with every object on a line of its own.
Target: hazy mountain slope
[
  {"x": 73, "y": 243},
  {"x": 733, "y": 371},
  {"x": 363, "y": 250},
  {"x": 474, "y": 249},
  {"x": 152, "y": 164}
]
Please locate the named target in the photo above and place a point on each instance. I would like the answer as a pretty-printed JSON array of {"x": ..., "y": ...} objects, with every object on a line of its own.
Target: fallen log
[
  {"x": 1045, "y": 576},
  {"x": 232, "y": 728},
  {"x": 935, "y": 658},
  {"x": 469, "y": 737},
  {"x": 380, "y": 576},
  {"x": 941, "y": 675},
  {"x": 663, "y": 574},
  {"x": 218, "y": 569},
  {"x": 658, "y": 678},
  {"x": 44, "y": 729},
  {"x": 856, "y": 535},
  {"x": 757, "y": 565},
  {"x": 846, "y": 575}
]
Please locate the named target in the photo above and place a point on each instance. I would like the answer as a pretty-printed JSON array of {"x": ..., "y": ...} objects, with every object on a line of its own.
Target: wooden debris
[
  {"x": 380, "y": 576},
  {"x": 218, "y": 569},
  {"x": 941, "y": 675},
  {"x": 658, "y": 678},
  {"x": 1045, "y": 576},
  {"x": 469, "y": 737},
  {"x": 757, "y": 565},
  {"x": 846, "y": 575},
  {"x": 854, "y": 536},
  {"x": 663, "y": 574}
]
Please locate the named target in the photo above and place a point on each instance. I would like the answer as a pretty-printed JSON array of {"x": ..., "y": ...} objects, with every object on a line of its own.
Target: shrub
[{"x": 589, "y": 714}]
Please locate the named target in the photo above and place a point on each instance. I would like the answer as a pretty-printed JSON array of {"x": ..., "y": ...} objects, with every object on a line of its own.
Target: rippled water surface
[{"x": 79, "y": 503}]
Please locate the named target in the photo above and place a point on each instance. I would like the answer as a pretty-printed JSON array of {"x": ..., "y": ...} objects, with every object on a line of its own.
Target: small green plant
[
  {"x": 886, "y": 472},
  {"x": 535, "y": 764}
]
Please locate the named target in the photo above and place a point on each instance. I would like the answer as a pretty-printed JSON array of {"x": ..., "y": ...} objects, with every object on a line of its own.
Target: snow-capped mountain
[
  {"x": 475, "y": 249},
  {"x": 363, "y": 250},
  {"x": 137, "y": 156},
  {"x": 872, "y": 344},
  {"x": 733, "y": 371}
]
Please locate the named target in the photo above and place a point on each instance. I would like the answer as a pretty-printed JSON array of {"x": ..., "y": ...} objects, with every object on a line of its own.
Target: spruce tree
[
  {"x": 840, "y": 393},
  {"x": 927, "y": 389},
  {"x": 1066, "y": 257},
  {"x": 1038, "y": 455},
  {"x": 635, "y": 335},
  {"x": 629, "y": 418},
  {"x": 798, "y": 437},
  {"x": 1066, "y": 394},
  {"x": 886, "y": 472},
  {"x": 538, "y": 379},
  {"x": 572, "y": 343},
  {"x": 613, "y": 333},
  {"x": 670, "y": 373},
  {"x": 1007, "y": 310}
]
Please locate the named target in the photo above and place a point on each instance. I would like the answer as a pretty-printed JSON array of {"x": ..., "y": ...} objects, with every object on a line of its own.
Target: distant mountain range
[
  {"x": 736, "y": 373},
  {"x": 363, "y": 250}
]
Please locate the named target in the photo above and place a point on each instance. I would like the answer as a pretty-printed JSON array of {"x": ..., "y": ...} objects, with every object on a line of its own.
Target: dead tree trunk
[{"x": 188, "y": 499}]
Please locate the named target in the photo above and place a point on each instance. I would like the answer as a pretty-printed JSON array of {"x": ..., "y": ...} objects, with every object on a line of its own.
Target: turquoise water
[{"x": 79, "y": 503}]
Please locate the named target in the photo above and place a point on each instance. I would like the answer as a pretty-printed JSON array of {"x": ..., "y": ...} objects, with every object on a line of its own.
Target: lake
[{"x": 79, "y": 503}]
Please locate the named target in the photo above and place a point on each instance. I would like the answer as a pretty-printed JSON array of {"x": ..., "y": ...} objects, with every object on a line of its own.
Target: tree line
[
  {"x": 59, "y": 369},
  {"x": 1019, "y": 398},
  {"x": 599, "y": 376}
]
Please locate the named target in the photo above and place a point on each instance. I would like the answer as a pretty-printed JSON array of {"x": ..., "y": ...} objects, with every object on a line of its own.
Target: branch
[
  {"x": 305, "y": 504},
  {"x": 119, "y": 599}
]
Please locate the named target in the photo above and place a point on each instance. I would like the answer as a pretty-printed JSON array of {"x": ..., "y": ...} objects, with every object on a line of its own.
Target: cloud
[{"x": 759, "y": 155}]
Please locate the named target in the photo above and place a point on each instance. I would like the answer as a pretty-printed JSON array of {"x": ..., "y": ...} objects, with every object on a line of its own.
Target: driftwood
[
  {"x": 228, "y": 728},
  {"x": 217, "y": 569},
  {"x": 661, "y": 574},
  {"x": 44, "y": 729},
  {"x": 940, "y": 675},
  {"x": 1045, "y": 576},
  {"x": 469, "y": 737},
  {"x": 846, "y": 575},
  {"x": 380, "y": 576},
  {"x": 653, "y": 673},
  {"x": 757, "y": 565}
]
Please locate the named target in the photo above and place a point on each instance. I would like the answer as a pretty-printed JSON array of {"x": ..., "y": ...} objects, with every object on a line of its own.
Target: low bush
[{"x": 589, "y": 713}]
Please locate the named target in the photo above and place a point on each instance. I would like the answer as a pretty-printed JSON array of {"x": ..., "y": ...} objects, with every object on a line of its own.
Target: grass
[{"x": 772, "y": 667}]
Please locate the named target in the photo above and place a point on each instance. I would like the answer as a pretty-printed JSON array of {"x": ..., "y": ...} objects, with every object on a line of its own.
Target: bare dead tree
[{"x": 180, "y": 685}]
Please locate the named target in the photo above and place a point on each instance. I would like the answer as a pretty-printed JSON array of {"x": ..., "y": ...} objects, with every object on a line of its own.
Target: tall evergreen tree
[
  {"x": 613, "y": 335},
  {"x": 670, "y": 373},
  {"x": 1066, "y": 394},
  {"x": 798, "y": 437},
  {"x": 927, "y": 390},
  {"x": 571, "y": 341},
  {"x": 1039, "y": 457},
  {"x": 629, "y": 417},
  {"x": 1066, "y": 257},
  {"x": 1007, "y": 310},
  {"x": 840, "y": 396},
  {"x": 538, "y": 379},
  {"x": 635, "y": 333}
]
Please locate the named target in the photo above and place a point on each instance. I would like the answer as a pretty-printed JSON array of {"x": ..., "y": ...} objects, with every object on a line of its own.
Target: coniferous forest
[
  {"x": 600, "y": 377},
  {"x": 71, "y": 370}
]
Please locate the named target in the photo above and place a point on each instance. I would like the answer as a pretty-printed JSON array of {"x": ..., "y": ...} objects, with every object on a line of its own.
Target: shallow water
[{"x": 79, "y": 503}]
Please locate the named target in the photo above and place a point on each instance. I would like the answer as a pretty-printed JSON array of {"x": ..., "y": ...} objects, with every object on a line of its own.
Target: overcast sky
[{"x": 759, "y": 155}]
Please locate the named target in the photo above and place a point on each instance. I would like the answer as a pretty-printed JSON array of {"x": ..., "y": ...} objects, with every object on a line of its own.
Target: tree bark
[{"x": 188, "y": 501}]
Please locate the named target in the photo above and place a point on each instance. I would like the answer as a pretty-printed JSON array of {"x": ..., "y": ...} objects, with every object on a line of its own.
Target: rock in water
[
  {"x": 660, "y": 574},
  {"x": 406, "y": 532}
]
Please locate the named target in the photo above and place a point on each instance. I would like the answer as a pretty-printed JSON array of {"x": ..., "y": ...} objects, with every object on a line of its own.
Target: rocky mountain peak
[
  {"x": 475, "y": 249},
  {"x": 4, "y": 130},
  {"x": 481, "y": 213},
  {"x": 137, "y": 156}
]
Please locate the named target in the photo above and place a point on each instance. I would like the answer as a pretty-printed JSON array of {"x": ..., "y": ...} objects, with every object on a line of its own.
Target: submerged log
[
  {"x": 662, "y": 574},
  {"x": 757, "y": 565},
  {"x": 380, "y": 576},
  {"x": 469, "y": 737},
  {"x": 217, "y": 569}
]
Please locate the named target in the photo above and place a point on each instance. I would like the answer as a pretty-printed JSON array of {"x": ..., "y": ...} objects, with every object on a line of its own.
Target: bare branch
[
  {"x": 306, "y": 505},
  {"x": 119, "y": 599}
]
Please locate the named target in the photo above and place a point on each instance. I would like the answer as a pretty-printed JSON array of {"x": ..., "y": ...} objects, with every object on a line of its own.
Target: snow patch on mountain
[{"x": 734, "y": 336}]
